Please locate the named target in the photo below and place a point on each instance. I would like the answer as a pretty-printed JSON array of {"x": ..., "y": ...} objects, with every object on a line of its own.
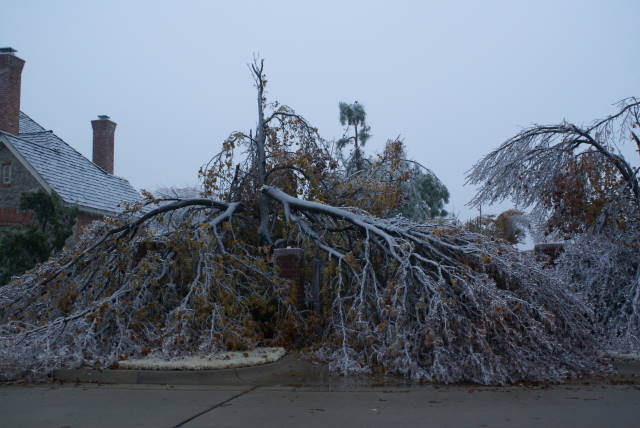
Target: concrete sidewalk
[{"x": 236, "y": 406}]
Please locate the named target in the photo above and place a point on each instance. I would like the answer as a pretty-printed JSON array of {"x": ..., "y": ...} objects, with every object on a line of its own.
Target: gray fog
[{"x": 453, "y": 79}]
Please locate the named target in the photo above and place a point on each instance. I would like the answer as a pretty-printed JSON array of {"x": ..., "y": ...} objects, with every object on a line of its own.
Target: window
[{"x": 6, "y": 174}]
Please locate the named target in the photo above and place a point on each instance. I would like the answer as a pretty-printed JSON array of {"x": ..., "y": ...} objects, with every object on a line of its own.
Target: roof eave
[{"x": 96, "y": 211}]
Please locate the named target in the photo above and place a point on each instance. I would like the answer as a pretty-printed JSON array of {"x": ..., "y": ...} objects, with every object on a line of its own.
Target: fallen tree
[{"x": 431, "y": 301}]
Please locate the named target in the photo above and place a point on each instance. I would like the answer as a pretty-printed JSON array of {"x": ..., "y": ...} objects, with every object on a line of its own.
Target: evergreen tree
[
  {"x": 424, "y": 196},
  {"x": 24, "y": 246},
  {"x": 353, "y": 117}
]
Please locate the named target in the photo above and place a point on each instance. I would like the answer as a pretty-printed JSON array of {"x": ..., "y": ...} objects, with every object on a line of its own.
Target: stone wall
[{"x": 21, "y": 181}]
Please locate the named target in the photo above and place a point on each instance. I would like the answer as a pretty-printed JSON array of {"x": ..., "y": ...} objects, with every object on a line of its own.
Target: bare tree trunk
[
  {"x": 357, "y": 149},
  {"x": 260, "y": 141}
]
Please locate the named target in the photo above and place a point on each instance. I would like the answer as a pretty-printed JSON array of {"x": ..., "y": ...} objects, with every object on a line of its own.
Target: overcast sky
[{"x": 453, "y": 78}]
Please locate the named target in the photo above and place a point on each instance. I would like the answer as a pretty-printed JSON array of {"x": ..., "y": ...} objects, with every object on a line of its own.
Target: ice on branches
[
  {"x": 129, "y": 292},
  {"x": 583, "y": 190},
  {"x": 605, "y": 269},
  {"x": 432, "y": 301},
  {"x": 436, "y": 302},
  {"x": 546, "y": 159}
]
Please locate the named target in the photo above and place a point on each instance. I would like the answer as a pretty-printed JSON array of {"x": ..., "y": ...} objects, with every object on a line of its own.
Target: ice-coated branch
[
  {"x": 436, "y": 302},
  {"x": 527, "y": 166},
  {"x": 583, "y": 189}
]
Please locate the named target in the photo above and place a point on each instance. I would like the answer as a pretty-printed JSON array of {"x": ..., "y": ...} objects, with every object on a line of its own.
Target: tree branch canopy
[
  {"x": 428, "y": 300},
  {"x": 584, "y": 192},
  {"x": 529, "y": 166}
]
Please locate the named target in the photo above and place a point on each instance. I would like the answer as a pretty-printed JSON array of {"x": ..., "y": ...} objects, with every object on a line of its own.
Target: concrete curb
[
  {"x": 626, "y": 365},
  {"x": 291, "y": 370}
]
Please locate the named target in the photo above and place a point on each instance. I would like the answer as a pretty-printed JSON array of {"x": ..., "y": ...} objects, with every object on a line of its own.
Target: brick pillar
[
  {"x": 290, "y": 261},
  {"x": 316, "y": 283},
  {"x": 550, "y": 251},
  {"x": 10, "y": 77},
  {"x": 103, "y": 142}
]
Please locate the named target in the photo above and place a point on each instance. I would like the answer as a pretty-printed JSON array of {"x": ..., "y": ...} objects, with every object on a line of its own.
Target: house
[{"x": 32, "y": 158}]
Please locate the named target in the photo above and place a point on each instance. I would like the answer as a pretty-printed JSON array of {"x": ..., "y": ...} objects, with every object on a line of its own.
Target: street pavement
[{"x": 92, "y": 405}]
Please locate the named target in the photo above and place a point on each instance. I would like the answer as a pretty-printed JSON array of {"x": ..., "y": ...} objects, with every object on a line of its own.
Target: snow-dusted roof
[
  {"x": 75, "y": 178},
  {"x": 28, "y": 125}
]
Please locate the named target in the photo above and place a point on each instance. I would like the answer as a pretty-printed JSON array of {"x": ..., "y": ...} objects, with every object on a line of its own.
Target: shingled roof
[{"x": 59, "y": 167}]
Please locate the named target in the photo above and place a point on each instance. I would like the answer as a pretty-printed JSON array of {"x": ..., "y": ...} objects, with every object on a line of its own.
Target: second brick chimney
[
  {"x": 103, "y": 141},
  {"x": 10, "y": 76}
]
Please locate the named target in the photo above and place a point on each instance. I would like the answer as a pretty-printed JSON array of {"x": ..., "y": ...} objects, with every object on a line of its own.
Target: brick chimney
[
  {"x": 10, "y": 75},
  {"x": 103, "y": 139}
]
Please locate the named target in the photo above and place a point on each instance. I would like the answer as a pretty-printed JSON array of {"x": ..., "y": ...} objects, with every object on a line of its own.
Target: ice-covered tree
[
  {"x": 430, "y": 301},
  {"x": 424, "y": 195},
  {"x": 581, "y": 186}
]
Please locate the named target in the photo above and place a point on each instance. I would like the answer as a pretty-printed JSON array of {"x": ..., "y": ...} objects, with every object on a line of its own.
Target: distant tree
[
  {"x": 357, "y": 132},
  {"x": 510, "y": 226},
  {"x": 424, "y": 195},
  {"x": 24, "y": 246}
]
